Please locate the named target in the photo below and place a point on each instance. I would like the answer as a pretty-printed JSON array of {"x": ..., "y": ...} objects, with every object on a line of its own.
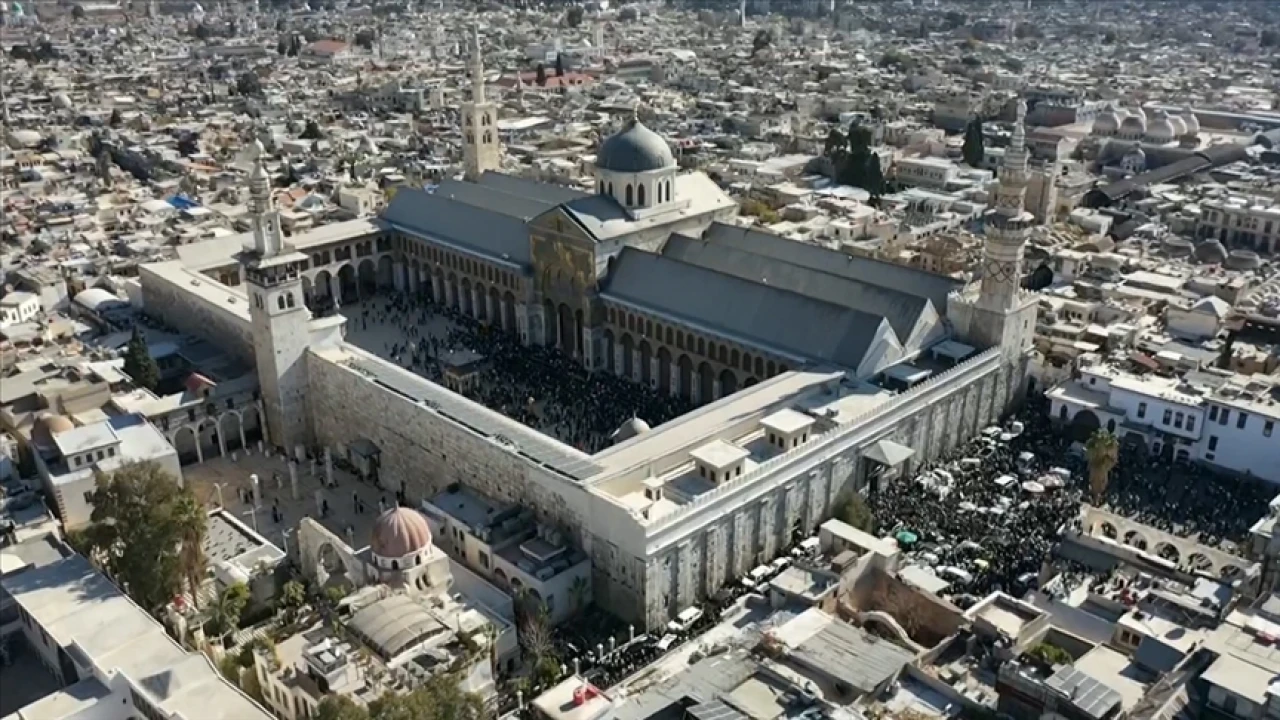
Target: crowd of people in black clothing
[
  {"x": 537, "y": 386},
  {"x": 1186, "y": 499}
]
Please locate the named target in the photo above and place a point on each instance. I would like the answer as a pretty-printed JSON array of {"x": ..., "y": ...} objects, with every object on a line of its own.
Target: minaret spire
[
  {"x": 266, "y": 224},
  {"x": 477, "y": 68}
]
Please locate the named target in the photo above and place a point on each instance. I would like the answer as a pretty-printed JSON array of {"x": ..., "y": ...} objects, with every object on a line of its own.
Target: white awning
[{"x": 888, "y": 452}]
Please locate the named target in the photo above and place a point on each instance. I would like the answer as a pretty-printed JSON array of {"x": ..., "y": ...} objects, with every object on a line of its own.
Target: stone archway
[
  {"x": 368, "y": 277},
  {"x": 496, "y": 315},
  {"x": 685, "y": 370},
  {"x": 1200, "y": 562},
  {"x": 465, "y": 298},
  {"x": 609, "y": 359},
  {"x": 628, "y": 357},
  {"x": 1084, "y": 424},
  {"x": 386, "y": 278},
  {"x": 1135, "y": 539},
  {"x": 348, "y": 284},
  {"x": 322, "y": 287},
  {"x": 509, "y": 313},
  {"x": 482, "y": 302},
  {"x": 706, "y": 383},
  {"x": 664, "y": 370},
  {"x": 1109, "y": 531},
  {"x": 454, "y": 296},
  {"x": 646, "y": 363},
  {"x": 1230, "y": 572},
  {"x": 751, "y": 381},
  {"x": 184, "y": 442},
  {"x": 1167, "y": 551},
  {"x": 308, "y": 293},
  {"x": 232, "y": 428},
  {"x": 439, "y": 291},
  {"x": 728, "y": 383},
  {"x": 251, "y": 425}
]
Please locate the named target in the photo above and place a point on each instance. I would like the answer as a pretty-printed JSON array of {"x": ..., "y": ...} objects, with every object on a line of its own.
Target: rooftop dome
[
  {"x": 1179, "y": 125},
  {"x": 630, "y": 429},
  {"x": 400, "y": 531},
  {"x": 1211, "y": 251},
  {"x": 1244, "y": 260},
  {"x": 49, "y": 425},
  {"x": 1192, "y": 122},
  {"x": 635, "y": 149},
  {"x": 1135, "y": 125},
  {"x": 1107, "y": 123},
  {"x": 62, "y": 101},
  {"x": 1178, "y": 246},
  {"x": 1160, "y": 130}
]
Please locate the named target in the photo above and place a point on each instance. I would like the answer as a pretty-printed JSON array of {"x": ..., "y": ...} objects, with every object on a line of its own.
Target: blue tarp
[{"x": 182, "y": 202}]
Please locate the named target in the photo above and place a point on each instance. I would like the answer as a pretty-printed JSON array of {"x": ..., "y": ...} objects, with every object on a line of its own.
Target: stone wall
[{"x": 185, "y": 308}]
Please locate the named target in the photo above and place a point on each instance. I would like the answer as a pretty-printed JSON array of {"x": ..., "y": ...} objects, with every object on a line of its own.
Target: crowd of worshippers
[
  {"x": 984, "y": 517},
  {"x": 1185, "y": 499},
  {"x": 537, "y": 386}
]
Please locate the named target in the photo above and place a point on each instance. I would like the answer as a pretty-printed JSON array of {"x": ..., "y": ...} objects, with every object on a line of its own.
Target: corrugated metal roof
[
  {"x": 902, "y": 310},
  {"x": 759, "y": 314},
  {"x": 873, "y": 272},
  {"x": 1087, "y": 693},
  {"x": 853, "y": 656}
]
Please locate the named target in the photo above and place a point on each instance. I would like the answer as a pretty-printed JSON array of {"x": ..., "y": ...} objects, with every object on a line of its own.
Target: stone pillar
[
  {"x": 222, "y": 441},
  {"x": 619, "y": 354},
  {"x": 328, "y": 468},
  {"x": 636, "y": 374},
  {"x": 335, "y": 290},
  {"x": 529, "y": 317},
  {"x": 654, "y": 369},
  {"x": 199, "y": 447},
  {"x": 413, "y": 280},
  {"x": 475, "y": 302},
  {"x": 244, "y": 445},
  {"x": 591, "y": 342},
  {"x": 293, "y": 480},
  {"x": 397, "y": 275},
  {"x": 715, "y": 390},
  {"x": 674, "y": 385}
]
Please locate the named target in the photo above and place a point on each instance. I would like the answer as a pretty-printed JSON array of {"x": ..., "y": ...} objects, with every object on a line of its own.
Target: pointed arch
[{"x": 640, "y": 195}]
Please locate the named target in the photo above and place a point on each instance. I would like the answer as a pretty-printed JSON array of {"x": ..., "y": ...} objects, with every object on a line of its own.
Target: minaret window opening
[
  {"x": 640, "y": 193},
  {"x": 280, "y": 302},
  {"x": 630, "y": 195},
  {"x": 288, "y": 299}
]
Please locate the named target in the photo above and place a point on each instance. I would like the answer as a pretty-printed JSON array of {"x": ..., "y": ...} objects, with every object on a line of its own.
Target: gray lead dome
[{"x": 635, "y": 149}]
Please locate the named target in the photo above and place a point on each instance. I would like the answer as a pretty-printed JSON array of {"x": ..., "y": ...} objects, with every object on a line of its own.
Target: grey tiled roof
[
  {"x": 545, "y": 193},
  {"x": 873, "y": 272},
  {"x": 901, "y": 309},
  {"x": 486, "y": 232},
  {"x": 489, "y": 198},
  {"x": 759, "y": 314}
]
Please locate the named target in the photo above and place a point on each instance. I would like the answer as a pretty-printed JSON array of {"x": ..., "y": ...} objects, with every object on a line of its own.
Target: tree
[
  {"x": 541, "y": 77},
  {"x": 973, "y": 151},
  {"x": 282, "y": 46},
  {"x": 1102, "y": 451},
  {"x": 835, "y": 143},
  {"x": 77, "y": 12},
  {"x": 580, "y": 593},
  {"x": 249, "y": 83},
  {"x": 573, "y": 18},
  {"x": 756, "y": 209},
  {"x": 192, "y": 522},
  {"x": 559, "y": 65},
  {"x": 763, "y": 39},
  {"x": 293, "y": 596},
  {"x": 365, "y": 38},
  {"x": 439, "y": 698},
  {"x": 854, "y": 511},
  {"x": 202, "y": 31},
  {"x": 224, "y": 614},
  {"x": 136, "y": 531},
  {"x": 115, "y": 119},
  {"x": 138, "y": 363},
  {"x": 340, "y": 707},
  {"x": 873, "y": 177}
]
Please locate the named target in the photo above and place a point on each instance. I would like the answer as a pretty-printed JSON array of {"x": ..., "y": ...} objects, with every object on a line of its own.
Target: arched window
[
  {"x": 289, "y": 299},
  {"x": 610, "y": 188},
  {"x": 280, "y": 301},
  {"x": 629, "y": 195},
  {"x": 640, "y": 194},
  {"x": 395, "y": 564}
]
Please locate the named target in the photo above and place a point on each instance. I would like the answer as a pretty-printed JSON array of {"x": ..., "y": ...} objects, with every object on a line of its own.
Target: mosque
[
  {"x": 1133, "y": 142},
  {"x": 814, "y": 374}
]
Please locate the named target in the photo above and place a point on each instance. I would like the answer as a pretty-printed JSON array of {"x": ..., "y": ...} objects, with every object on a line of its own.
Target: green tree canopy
[
  {"x": 138, "y": 363},
  {"x": 138, "y": 527},
  {"x": 440, "y": 698},
  {"x": 1102, "y": 451},
  {"x": 224, "y": 614},
  {"x": 853, "y": 510},
  {"x": 973, "y": 150}
]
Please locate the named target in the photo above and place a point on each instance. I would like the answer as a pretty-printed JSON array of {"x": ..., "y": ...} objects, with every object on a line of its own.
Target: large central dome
[{"x": 635, "y": 149}]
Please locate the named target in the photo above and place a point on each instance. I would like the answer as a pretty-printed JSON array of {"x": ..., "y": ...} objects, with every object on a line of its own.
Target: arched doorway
[
  {"x": 231, "y": 427},
  {"x": 495, "y": 309},
  {"x": 685, "y": 366},
  {"x": 728, "y": 383},
  {"x": 664, "y": 370},
  {"x": 706, "y": 383},
  {"x": 386, "y": 273},
  {"x": 452, "y": 289},
  {"x": 609, "y": 359},
  {"x": 466, "y": 304},
  {"x": 368, "y": 277},
  {"x": 550, "y": 331},
  {"x": 438, "y": 292},
  {"x": 1084, "y": 424},
  {"x": 322, "y": 289},
  {"x": 251, "y": 421},
  {"x": 308, "y": 290},
  {"x": 577, "y": 333},
  {"x": 348, "y": 285},
  {"x": 750, "y": 382},
  {"x": 628, "y": 357},
  {"x": 482, "y": 302},
  {"x": 208, "y": 436},
  {"x": 646, "y": 363},
  {"x": 509, "y": 313},
  {"x": 564, "y": 326},
  {"x": 184, "y": 443}
]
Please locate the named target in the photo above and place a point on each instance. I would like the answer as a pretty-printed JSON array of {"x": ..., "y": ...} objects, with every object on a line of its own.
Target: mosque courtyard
[{"x": 539, "y": 387}]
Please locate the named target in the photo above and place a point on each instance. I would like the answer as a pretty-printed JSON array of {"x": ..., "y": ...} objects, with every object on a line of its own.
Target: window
[
  {"x": 1168, "y": 417},
  {"x": 1268, "y": 427},
  {"x": 1142, "y": 410},
  {"x": 1177, "y": 421},
  {"x": 640, "y": 195},
  {"x": 1213, "y": 443},
  {"x": 1191, "y": 422},
  {"x": 630, "y": 196},
  {"x": 1244, "y": 419},
  {"x": 1062, "y": 412},
  {"x": 484, "y": 560},
  {"x": 1213, "y": 413},
  {"x": 1111, "y": 426},
  {"x": 1222, "y": 419}
]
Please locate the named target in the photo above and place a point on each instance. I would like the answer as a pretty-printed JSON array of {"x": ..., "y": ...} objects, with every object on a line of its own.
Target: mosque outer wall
[
  {"x": 648, "y": 573},
  {"x": 193, "y": 314}
]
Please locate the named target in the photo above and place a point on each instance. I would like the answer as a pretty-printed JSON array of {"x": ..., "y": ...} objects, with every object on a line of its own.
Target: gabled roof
[
  {"x": 902, "y": 310},
  {"x": 759, "y": 314},
  {"x": 873, "y": 272},
  {"x": 545, "y": 193},
  {"x": 493, "y": 199},
  {"x": 481, "y": 230}
]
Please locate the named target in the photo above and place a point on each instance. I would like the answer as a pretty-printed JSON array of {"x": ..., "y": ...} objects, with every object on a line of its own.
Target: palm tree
[
  {"x": 1102, "y": 451},
  {"x": 192, "y": 521}
]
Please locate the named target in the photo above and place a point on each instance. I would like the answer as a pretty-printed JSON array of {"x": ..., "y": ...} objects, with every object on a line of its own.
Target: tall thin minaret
[
  {"x": 998, "y": 312},
  {"x": 278, "y": 317},
  {"x": 480, "y": 149}
]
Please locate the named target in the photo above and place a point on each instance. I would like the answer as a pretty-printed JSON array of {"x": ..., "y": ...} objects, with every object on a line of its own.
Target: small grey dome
[
  {"x": 1134, "y": 126},
  {"x": 631, "y": 428},
  {"x": 1160, "y": 130},
  {"x": 1244, "y": 260},
  {"x": 635, "y": 149},
  {"x": 1211, "y": 252},
  {"x": 1179, "y": 125},
  {"x": 1107, "y": 123},
  {"x": 1192, "y": 122}
]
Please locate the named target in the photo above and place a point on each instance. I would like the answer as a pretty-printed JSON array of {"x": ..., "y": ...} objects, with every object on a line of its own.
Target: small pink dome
[{"x": 400, "y": 531}]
